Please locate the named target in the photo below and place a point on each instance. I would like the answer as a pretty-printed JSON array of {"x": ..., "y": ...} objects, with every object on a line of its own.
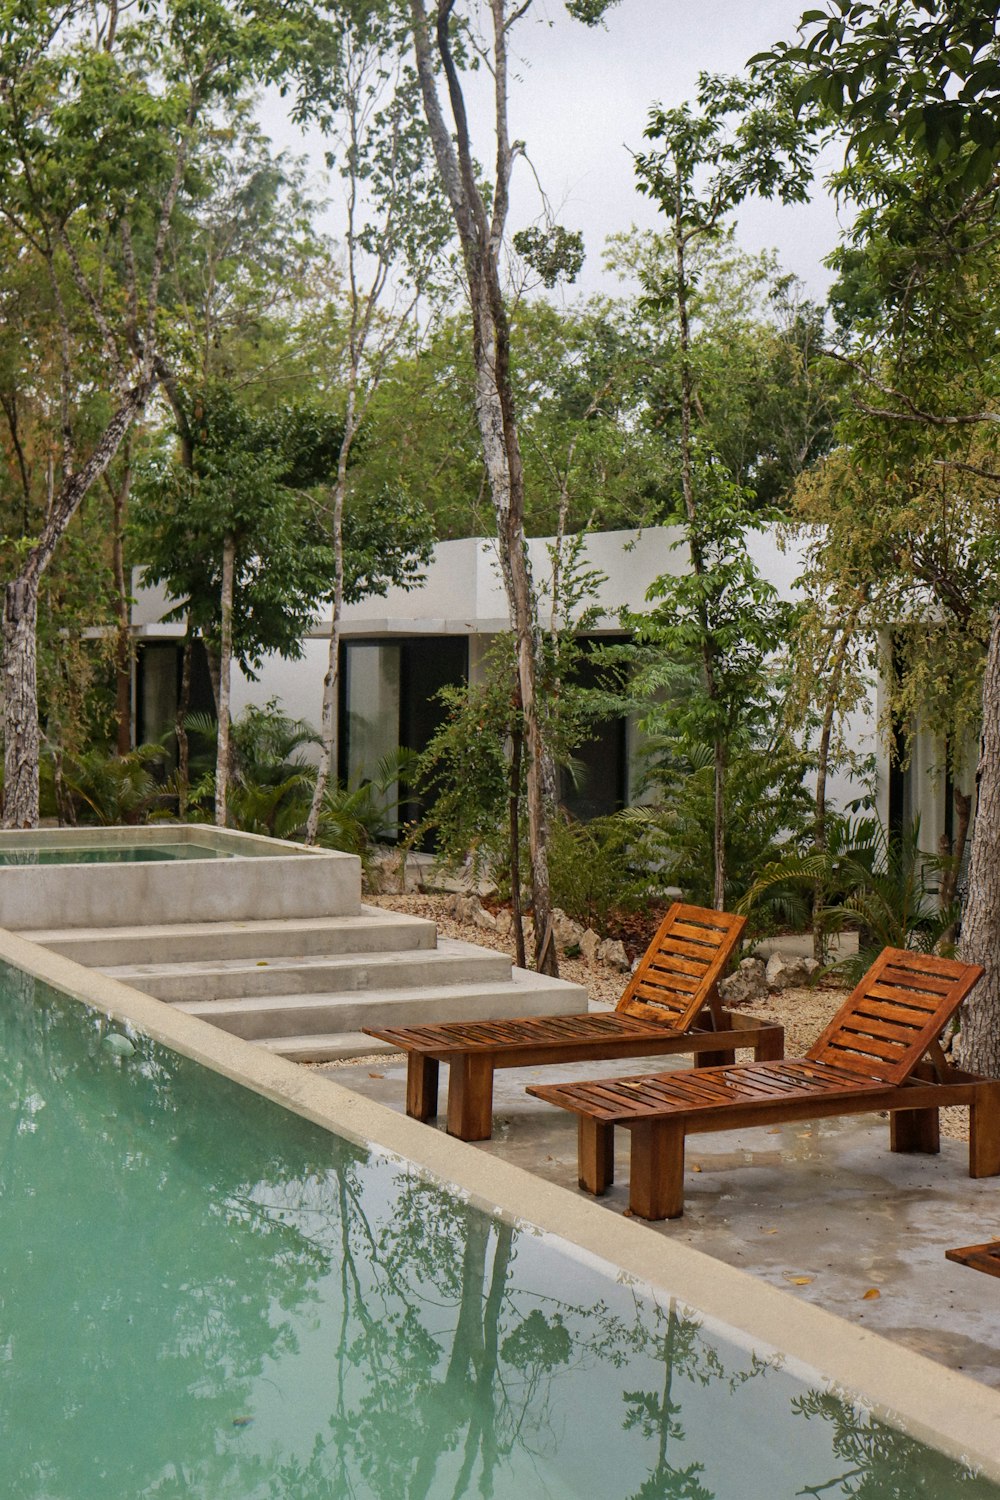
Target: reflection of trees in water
[
  {"x": 876, "y": 1462},
  {"x": 453, "y": 1355}
]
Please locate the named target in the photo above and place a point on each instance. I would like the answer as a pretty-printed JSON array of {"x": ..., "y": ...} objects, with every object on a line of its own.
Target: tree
[
  {"x": 441, "y": 41},
  {"x": 395, "y": 236},
  {"x": 99, "y": 118},
  {"x": 238, "y": 531},
  {"x": 914, "y": 88},
  {"x": 702, "y": 166}
]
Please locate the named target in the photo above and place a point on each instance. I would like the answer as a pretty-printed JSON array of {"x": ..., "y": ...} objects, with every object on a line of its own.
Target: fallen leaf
[
  {"x": 797, "y": 1280},
  {"x": 871, "y": 1294},
  {"x": 695, "y": 1167},
  {"x": 262, "y": 963},
  {"x": 770, "y": 1231},
  {"x": 376, "y": 1075}
]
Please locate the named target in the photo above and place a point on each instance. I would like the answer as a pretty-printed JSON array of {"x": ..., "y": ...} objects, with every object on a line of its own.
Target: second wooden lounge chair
[
  {"x": 868, "y": 1059},
  {"x": 670, "y": 1004}
]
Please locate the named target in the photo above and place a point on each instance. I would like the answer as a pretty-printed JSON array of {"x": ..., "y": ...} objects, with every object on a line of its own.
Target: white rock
[
  {"x": 612, "y": 951},
  {"x": 788, "y": 973},
  {"x": 485, "y": 919},
  {"x": 589, "y": 944},
  {"x": 505, "y": 921},
  {"x": 747, "y": 986},
  {"x": 566, "y": 932}
]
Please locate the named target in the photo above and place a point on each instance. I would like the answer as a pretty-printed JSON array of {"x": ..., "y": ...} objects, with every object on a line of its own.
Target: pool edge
[{"x": 942, "y": 1407}]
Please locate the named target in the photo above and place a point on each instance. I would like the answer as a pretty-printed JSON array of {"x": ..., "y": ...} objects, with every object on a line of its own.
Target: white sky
[{"x": 580, "y": 100}]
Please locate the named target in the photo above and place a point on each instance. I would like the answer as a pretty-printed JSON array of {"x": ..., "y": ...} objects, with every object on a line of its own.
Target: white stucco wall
[{"x": 463, "y": 595}]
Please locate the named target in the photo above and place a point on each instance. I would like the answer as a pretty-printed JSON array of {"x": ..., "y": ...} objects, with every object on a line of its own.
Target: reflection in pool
[{"x": 204, "y": 1296}]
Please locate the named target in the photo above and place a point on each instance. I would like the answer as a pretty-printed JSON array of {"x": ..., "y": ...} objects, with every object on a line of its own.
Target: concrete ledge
[
  {"x": 929, "y": 1402},
  {"x": 260, "y": 878}
]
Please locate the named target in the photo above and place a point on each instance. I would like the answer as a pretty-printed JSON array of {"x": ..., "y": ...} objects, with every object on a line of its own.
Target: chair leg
[
  {"x": 771, "y": 1045},
  {"x": 470, "y": 1097},
  {"x": 984, "y": 1131},
  {"x": 915, "y": 1130},
  {"x": 656, "y": 1183},
  {"x": 596, "y": 1154},
  {"x": 421, "y": 1086}
]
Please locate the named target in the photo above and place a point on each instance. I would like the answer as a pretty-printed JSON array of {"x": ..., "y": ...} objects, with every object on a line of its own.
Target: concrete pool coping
[{"x": 939, "y": 1406}]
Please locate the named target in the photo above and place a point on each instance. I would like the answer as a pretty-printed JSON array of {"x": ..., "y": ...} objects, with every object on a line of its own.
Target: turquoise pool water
[
  {"x": 202, "y": 1295},
  {"x": 110, "y": 854}
]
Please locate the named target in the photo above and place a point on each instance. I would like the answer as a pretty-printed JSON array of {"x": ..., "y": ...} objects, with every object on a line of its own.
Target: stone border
[{"x": 941, "y": 1407}]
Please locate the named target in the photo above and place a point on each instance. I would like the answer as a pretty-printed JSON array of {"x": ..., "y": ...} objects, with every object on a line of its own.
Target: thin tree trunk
[
  {"x": 517, "y": 743},
  {"x": 123, "y": 634},
  {"x": 719, "y": 756},
  {"x": 20, "y": 684},
  {"x": 978, "y": 1045},
  {"x": 180, "y": 728},
  {"x": 719, "y": 827},
  {"x": 20, "y": 619},
  {"x": 823, "y": 764},
  {"x": 481, "y": 235},
  {"x": 327, "y": 766},
  {"x": 225, "y": 672}
]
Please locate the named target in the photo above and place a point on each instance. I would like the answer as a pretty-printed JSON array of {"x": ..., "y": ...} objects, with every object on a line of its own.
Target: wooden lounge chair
[
  {"x": 673, "y": 988},
  {"x": 869, "y": 1058},
  {"x": 985, "y": 1257}
]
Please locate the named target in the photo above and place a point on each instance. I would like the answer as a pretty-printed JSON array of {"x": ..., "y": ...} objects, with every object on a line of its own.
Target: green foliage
[
  {"x": 597, "y": 869},
  {"x": 356, "y": 819},
  {"x": 925, "y": 73},
  {"x": 109, "y": 789},
  {"x": 464, "y": 773},
  {"x": 769, "y": 813},
  {"x": 880, "y": 883},
  {"x": 250, "y": 475},
  {"x": 555, "y": 254}
]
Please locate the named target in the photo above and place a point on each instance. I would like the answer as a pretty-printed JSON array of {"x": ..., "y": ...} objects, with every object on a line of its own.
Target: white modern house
[{"x": 397, "y": 651}]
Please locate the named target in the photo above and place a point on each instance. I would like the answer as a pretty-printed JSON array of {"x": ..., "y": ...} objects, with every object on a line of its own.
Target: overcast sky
[{"x": 580, "y": 100}]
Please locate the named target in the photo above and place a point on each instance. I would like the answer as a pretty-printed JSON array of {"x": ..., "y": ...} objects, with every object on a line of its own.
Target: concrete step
[
  {"x": 451, "y": 963},
  {"x": 163, "y": 943},
  {"x": 335, "y": 1046},
  {"x": 272, "y": 1017}
]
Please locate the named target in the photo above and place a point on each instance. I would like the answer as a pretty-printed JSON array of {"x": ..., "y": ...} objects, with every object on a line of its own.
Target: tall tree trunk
[
  {"x": 123, "y": 633},
  {"x": 20, "y": 619},
  {"x": 719, "y": 755},
  {"x": 978, "y": 1046},
  {"x": 719, "y": 827},
  {"x": 327, "y": 765},
  {"x": 823, "y": 762},
  {"x": 514, "y": 808},
  {"x": 225, "y": 672},
  {"x": 481, "y": 236},
  {"x": 20, "y": 685},
  {"x": 180, "y": 728}
]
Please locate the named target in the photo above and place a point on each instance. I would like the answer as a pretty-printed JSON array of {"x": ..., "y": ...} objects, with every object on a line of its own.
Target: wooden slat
[
  {"x": 920, "y": 1017},
  {"x": 751, "y": 1087},
  {"x": 676, "y": 985}
]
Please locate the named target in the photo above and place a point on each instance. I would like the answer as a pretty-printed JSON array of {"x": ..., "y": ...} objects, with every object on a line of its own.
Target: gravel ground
[{"x": 802, "y": 1012}]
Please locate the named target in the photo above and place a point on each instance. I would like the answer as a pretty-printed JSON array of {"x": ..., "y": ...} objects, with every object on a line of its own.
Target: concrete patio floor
[{"x": 823, "y": 1210}]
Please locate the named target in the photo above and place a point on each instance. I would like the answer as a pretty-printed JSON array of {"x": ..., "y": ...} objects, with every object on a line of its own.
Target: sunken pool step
[
  {"x": 173, "y": 943},
  {"x": 295, "y": 1024},
  {"x": 450, "y": 963}
]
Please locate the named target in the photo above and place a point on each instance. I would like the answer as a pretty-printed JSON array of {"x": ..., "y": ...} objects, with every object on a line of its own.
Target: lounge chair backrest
[
  {"x": 677, "y": 974},
  {"x": 897, "y": 1011}
]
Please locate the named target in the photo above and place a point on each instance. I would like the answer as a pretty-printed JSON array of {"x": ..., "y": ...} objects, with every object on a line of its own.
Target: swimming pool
[
  {"x": 203, "y": 1294},
  {"x": 111, "y": 854}
]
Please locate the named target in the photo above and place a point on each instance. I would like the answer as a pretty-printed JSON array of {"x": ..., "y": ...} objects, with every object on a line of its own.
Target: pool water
[
  {"x": 202, "y": 1295},
  {"x": 110, "y": 854}
]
